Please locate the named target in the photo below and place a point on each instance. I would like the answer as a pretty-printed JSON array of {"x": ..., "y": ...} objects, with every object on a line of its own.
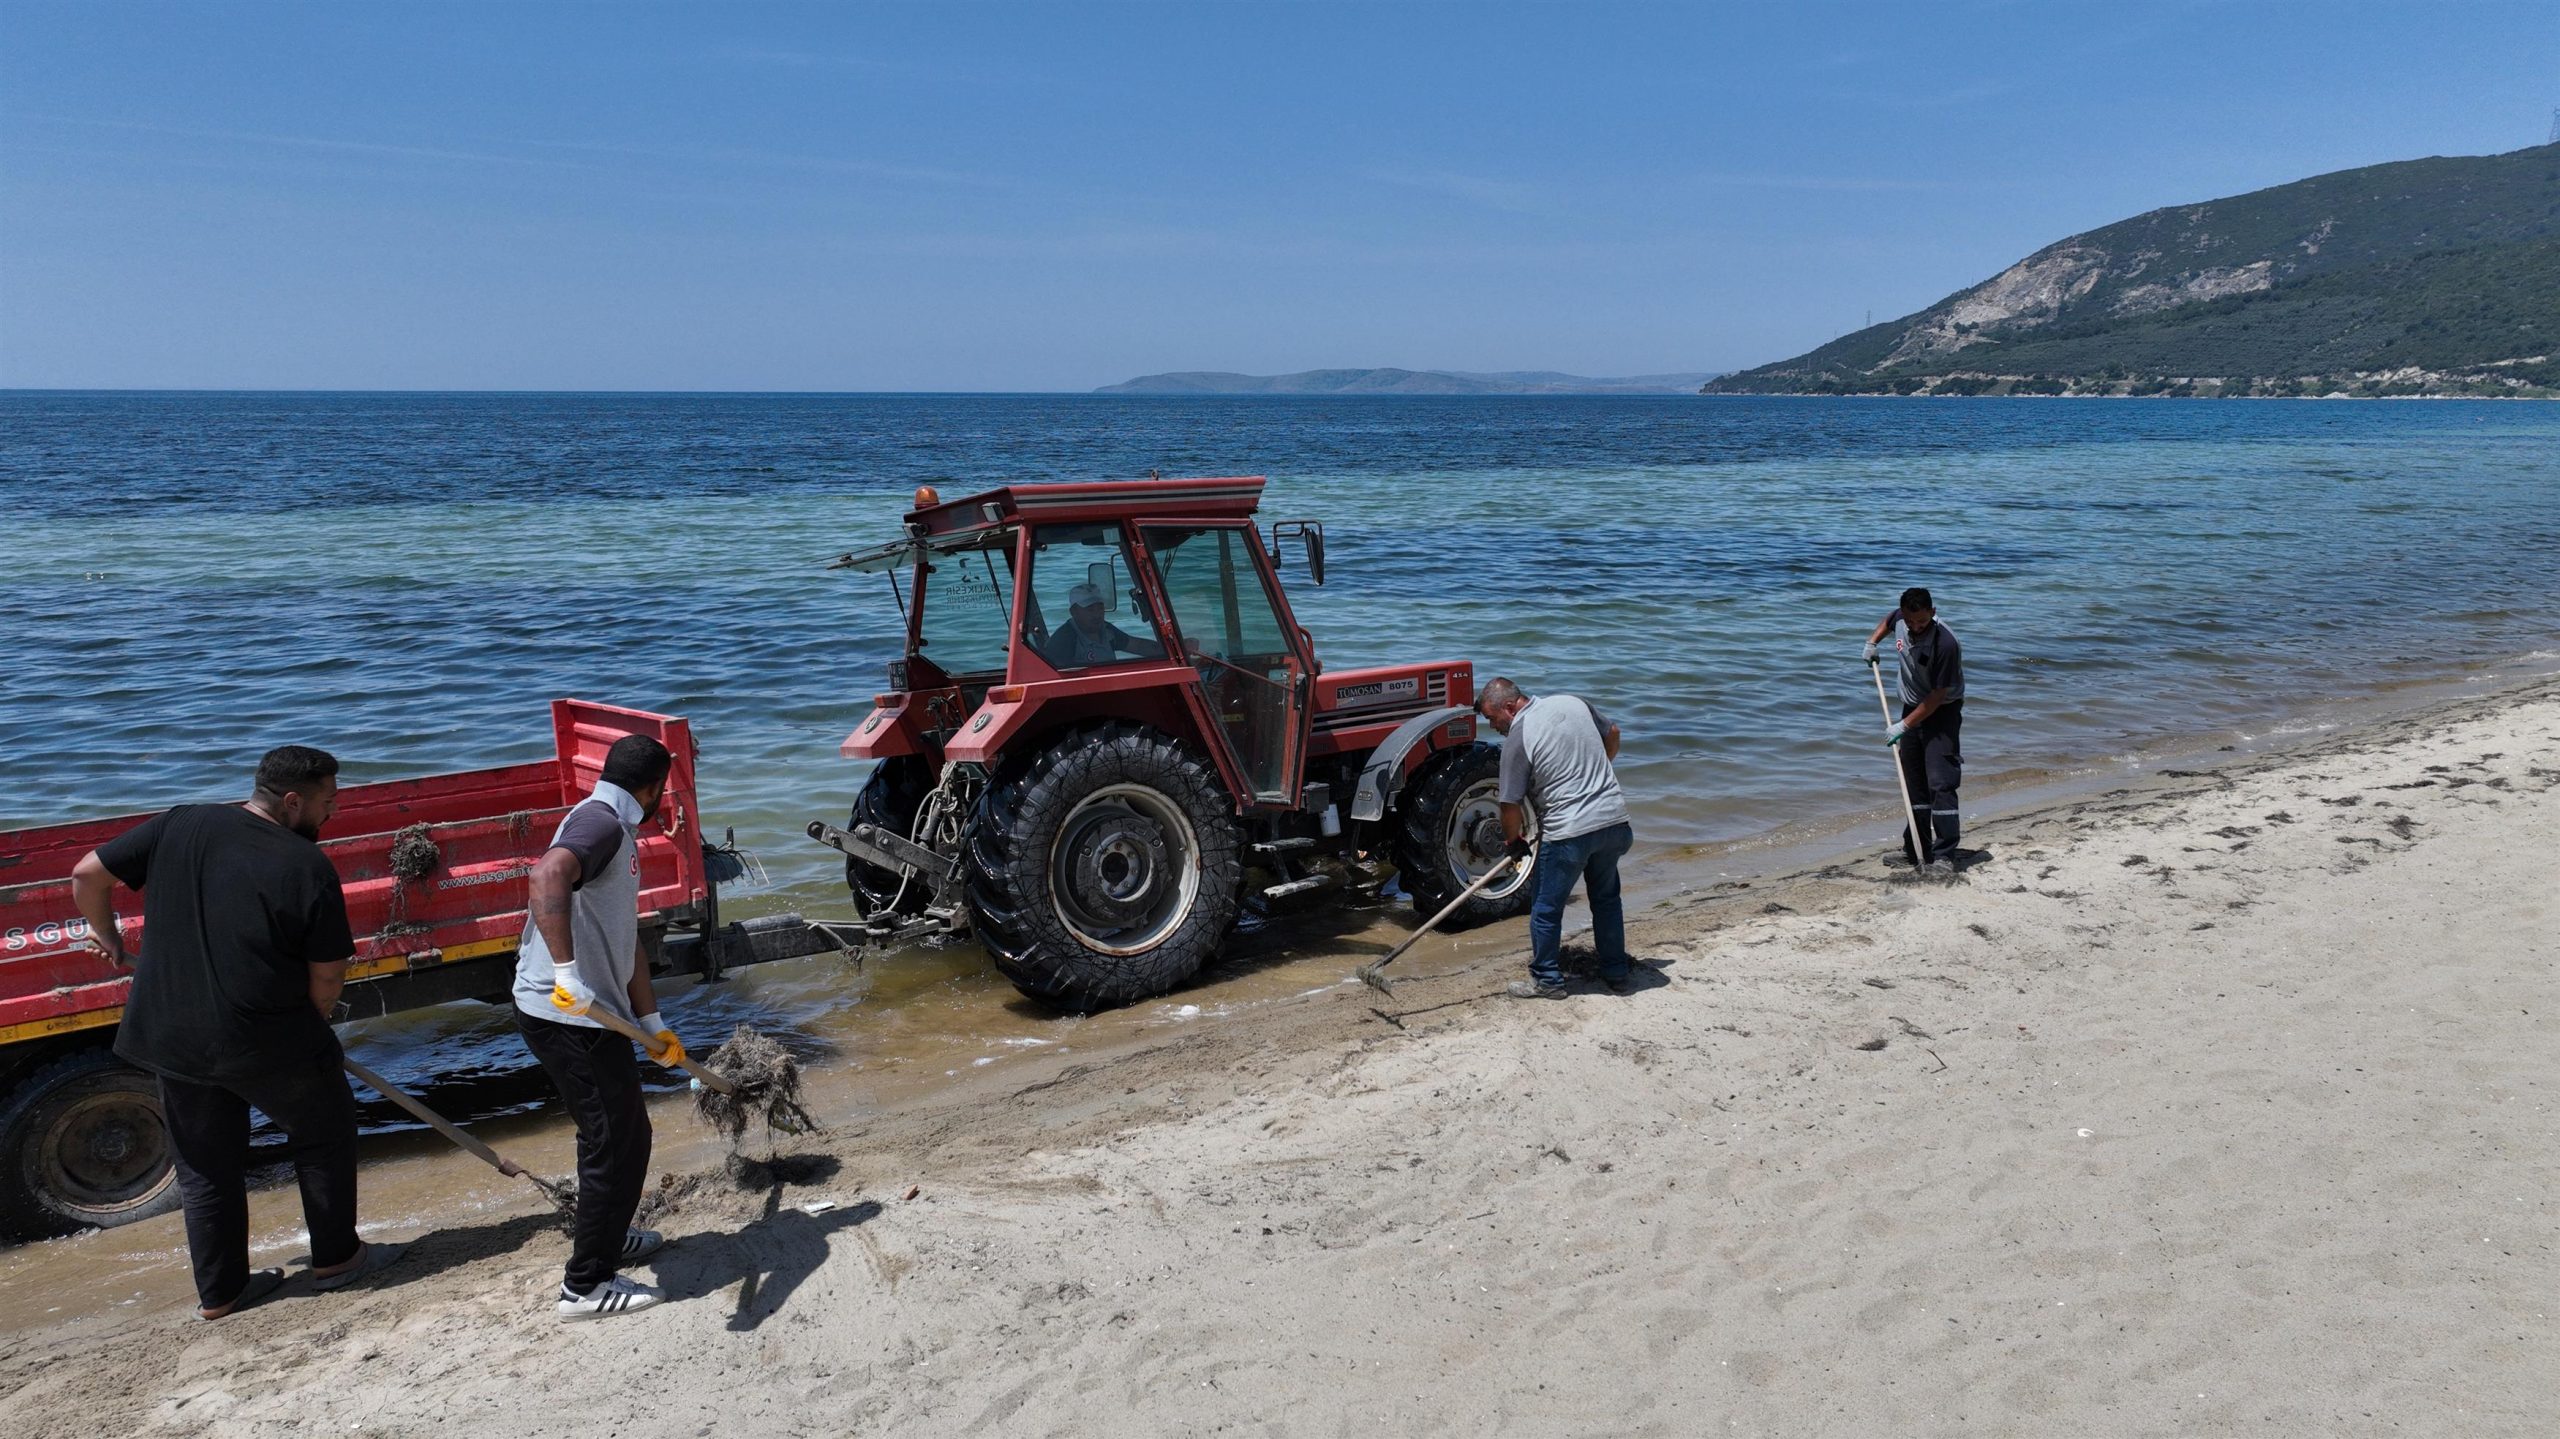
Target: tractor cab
[{"x": 1031, "y": 606}]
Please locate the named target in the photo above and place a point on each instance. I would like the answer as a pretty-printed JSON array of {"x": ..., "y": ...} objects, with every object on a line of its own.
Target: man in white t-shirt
[{"x": 1558, "y": 755}]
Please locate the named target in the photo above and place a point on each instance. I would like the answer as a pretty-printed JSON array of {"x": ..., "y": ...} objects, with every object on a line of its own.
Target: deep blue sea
[{"x": 407, "y": 580}]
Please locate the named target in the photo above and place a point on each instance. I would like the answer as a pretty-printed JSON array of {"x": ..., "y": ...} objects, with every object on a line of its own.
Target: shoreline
[{"x": 2112, "y": 1070}]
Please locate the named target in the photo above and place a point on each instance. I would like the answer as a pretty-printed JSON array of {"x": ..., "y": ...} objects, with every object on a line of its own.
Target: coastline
[
  {"x": 2081, "y": 395},
  {"x": 2214, "y": 1101}
]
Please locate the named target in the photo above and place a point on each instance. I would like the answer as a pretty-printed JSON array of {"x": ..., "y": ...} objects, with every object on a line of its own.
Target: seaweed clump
[
  {"x": 413, "y": 855},
  {"x": 767, "y": 1081}
]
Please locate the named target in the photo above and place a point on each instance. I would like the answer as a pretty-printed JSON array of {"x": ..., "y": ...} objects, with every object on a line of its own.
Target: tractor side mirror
[
  {"x": 1308, "y": 533},
  {"x": 1100, "y": 576}
]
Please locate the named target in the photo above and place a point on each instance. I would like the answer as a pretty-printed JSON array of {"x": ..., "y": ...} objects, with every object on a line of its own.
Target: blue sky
[{"x": 976, "y": 197}]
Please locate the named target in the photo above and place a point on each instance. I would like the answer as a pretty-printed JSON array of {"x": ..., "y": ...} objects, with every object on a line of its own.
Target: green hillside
[{"x": 2438, "y": 276}]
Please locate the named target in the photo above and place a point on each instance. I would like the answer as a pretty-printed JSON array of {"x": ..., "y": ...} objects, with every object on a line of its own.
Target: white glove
[
  {"x": 569, "y": 994},
  {"x": 1870, "y": 655},
  {"x": 664, "y": 1047},
  {"x": 1893, "y": 732}
]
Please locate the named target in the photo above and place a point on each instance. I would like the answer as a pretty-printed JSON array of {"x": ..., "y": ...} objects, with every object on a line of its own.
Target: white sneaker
[
  {"x": 619, "y": 1295},
  {"x": 639, "y": 1244}
]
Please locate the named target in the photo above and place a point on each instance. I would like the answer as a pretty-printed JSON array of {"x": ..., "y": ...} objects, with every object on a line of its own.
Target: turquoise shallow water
[{"x": 407, "y": 580}]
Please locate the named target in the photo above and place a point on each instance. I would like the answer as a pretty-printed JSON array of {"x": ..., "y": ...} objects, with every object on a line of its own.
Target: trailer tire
[
  {"x": 82, "y": 1145},
  {"x": 1105, "y": 869},
  {"x": 889, "y": 799},
  {"x": 1446, "y": 826}
]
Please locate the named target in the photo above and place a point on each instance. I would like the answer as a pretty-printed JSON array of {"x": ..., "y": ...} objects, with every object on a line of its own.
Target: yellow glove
[
  {"x": 667, "y": 1049},
  {"x": 569, "y": 994}
]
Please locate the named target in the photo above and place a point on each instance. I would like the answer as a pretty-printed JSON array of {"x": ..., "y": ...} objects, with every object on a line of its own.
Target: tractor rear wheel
[
  {"x": 1449, "y": 833},
  {"x": 889, "y": 799},
  {"x": 1105, "y": 869},
  {"x": 82, "y": 1145}
]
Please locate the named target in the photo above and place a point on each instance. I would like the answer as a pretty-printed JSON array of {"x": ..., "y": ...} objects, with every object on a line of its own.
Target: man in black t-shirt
[
  {"x": 244, "y": 950},
  {"x": 1928, "y": 739}
]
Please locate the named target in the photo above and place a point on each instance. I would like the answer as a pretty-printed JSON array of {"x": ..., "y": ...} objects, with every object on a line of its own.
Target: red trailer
[{"x": 81, "y": 1141}]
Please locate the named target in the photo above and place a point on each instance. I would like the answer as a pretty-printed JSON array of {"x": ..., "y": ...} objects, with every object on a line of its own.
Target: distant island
[
  {"x": 2435, "y": 277},
  {"x": 1405, "y": 382}
]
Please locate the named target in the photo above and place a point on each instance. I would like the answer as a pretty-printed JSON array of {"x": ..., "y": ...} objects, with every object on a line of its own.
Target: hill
[
  {"x": 1404, "y": 382},
  {"x": 2435, "y": 276}
]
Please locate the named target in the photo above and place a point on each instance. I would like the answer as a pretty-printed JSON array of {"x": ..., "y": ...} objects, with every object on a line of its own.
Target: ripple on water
[{"x": 408, "y": 580}]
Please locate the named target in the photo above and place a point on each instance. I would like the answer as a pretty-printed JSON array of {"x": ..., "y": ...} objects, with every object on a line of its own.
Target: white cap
[{"x": 1084, "y": 595}]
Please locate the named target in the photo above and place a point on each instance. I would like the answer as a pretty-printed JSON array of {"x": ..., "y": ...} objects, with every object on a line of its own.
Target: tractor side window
[
  {"x": 1218, "y": 600},
  {"x": 968, "y": 614},
  {"x": 1083, "y": 609}
]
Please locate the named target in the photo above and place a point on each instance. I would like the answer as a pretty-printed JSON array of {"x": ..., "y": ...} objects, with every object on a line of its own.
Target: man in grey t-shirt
[
  {"x": 1557, "y": 755},
  {"x": 581, "y": 952}
]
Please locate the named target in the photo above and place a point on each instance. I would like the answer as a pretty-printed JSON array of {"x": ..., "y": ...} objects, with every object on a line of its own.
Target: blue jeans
[{"x": 1593, "y": 859}]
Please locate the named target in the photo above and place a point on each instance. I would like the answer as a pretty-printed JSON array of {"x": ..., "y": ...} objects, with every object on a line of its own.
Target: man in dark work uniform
[{"x": 1927, "y": 739}]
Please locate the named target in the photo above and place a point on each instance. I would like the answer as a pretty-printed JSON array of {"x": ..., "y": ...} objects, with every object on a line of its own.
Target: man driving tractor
[{"x": 1089, "y": 639}]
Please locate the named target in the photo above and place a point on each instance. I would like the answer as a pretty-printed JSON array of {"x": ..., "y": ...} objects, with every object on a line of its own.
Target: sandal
[
  {"x": 262, "y": 1282},
  {"x": 376, "y": 1257}
]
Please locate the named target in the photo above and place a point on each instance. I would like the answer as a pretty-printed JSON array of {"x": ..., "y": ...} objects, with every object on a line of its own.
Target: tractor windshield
[{"x": 968, "y": 607}]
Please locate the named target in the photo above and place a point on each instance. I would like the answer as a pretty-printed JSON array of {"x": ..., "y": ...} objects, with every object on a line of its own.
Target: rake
[
  {"x": 1930, "y": 866},
  {"x": 1371, "y": 975},
  {"x": 563, "y": 1197}
]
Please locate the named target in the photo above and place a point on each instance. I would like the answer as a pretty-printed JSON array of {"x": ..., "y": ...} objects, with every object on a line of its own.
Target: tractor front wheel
[
  {"x": 1449, "y": 833},
  {"x": 1106, "y": 869}
]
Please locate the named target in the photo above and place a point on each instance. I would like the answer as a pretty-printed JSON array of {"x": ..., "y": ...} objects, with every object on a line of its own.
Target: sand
[{"x": 2221, "y": 1104}]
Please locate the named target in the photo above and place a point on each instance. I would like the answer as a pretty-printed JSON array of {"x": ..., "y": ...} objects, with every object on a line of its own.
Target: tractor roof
[
  {"x": 953, "y": 524},
  {"x": 1085, "y": 501}
]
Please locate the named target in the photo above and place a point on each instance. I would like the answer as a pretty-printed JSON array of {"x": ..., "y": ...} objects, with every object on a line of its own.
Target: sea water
[{"x": 407, "y": 580}]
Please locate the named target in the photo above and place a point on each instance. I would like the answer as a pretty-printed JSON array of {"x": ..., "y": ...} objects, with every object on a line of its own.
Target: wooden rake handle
[
  {"x": 1901, "y": 781},
  {"x": 1446, "y": 910},
  {"x": 621, "y": 1026},
  {"x": 433, "y": 1120}
]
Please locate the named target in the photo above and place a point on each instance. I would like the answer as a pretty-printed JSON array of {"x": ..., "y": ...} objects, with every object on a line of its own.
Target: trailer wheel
[
  {"x": 82, "y": 1145},
  {"x": 889, "y": 799},
  {"x": 1106, "y": 869},
  {"x": 1449, "y": 832}
]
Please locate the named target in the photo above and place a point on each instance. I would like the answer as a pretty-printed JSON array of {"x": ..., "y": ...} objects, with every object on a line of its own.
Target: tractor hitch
[{"x": 897, "y": 854}]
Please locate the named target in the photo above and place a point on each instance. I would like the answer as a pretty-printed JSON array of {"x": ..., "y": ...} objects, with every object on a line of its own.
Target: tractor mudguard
[
  {"x": 885, "y": 734},
  {"x": 1384, "y": 774}
]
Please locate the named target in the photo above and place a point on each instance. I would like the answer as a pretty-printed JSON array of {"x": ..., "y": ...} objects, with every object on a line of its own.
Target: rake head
[
  {"x": 767, "y": 1081},
  {"x": 1373, "y": 976}
]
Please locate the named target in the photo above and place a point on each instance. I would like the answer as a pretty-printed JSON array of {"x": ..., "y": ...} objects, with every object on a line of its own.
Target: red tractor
[{"x": 1109, "y": 733}]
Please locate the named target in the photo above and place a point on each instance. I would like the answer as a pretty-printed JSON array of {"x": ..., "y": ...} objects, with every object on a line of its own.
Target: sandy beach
[{"x": 2223, "y": 1103}]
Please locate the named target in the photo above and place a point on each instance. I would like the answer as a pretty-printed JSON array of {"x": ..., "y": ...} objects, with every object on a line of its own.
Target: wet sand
[{"x": 2218, "y": 1103}]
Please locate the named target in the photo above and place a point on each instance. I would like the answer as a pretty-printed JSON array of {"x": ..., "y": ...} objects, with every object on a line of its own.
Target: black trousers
[
  {"x": 1932, "y": 755},
  {"x": 598, "y": 1075},
  {"x": 209, "y": 1133}
]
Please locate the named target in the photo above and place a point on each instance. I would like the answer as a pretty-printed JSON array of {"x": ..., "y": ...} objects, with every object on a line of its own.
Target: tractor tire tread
[
  {"x": 889, "y": 799},
  {"x": 1007, "y": 873},
  {"x": 1421, "y": 821},
  {"x": 25, "y": 1211}
]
